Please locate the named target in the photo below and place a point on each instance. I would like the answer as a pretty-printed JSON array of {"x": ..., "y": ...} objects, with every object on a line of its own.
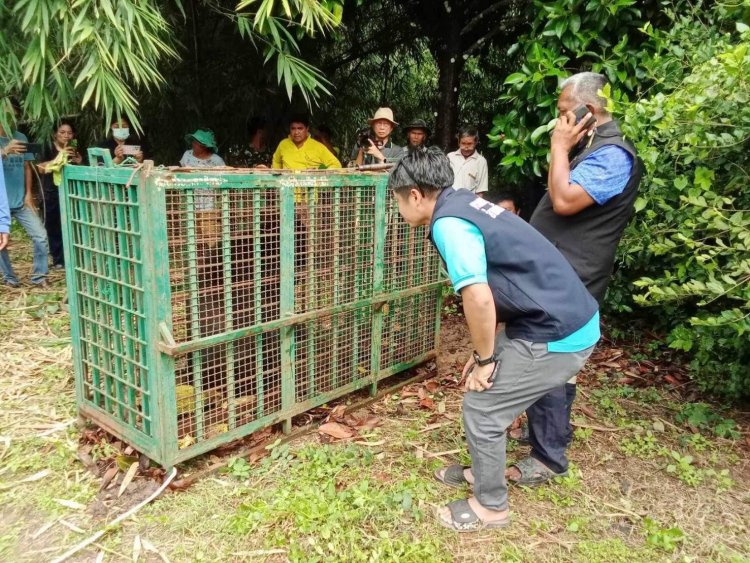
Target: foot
[
  {"x": 488, "y": 519},
  {"x": 12, "y": 283},
  {"x": 58, "y": 266},
  {"x": 530, "y": 471},
  {"x": 440, "y": 475}
]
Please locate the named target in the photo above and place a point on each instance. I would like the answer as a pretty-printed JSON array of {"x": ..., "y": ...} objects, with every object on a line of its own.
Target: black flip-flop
[
  {"x": 533, "y": 472},
  {"x": 464, "y": 519},
  {"x": 453, "y": 476}
]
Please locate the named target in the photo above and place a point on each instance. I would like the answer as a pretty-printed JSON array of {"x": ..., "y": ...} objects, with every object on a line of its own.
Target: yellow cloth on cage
[{"x": 56, "y": 167}]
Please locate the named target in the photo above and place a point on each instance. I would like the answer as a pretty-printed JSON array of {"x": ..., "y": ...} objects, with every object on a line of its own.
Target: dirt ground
[{"x": 657, "y": 474}]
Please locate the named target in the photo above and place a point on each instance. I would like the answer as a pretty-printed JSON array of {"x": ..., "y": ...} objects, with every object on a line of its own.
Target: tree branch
[{"x": 480, "y": 17}]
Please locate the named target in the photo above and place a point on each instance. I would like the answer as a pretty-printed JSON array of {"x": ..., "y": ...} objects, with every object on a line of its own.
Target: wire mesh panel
[
  {"x": 105, "y": 266},
  {"x": 261, "y": 295}
]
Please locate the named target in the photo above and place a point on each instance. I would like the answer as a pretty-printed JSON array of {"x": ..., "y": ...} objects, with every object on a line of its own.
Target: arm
[
  {"x": 567, "y": 198},
  {"x": 28, "y": 200},
  {"x": 482, "y": 178},
  {"x": 276, "y": 162},
  {"x": 4, "y": 211},
  {"x": 479, "y": 309}
]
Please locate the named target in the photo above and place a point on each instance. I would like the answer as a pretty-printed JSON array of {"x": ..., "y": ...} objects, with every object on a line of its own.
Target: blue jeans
[
  {"x": 550, "y": 432},
  {"x": 33, "y": 226}
]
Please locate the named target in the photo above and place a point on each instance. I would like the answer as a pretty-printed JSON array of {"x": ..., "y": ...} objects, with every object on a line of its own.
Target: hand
[
  {"x": 4, "y": 238},
  {"x": 139, "y": 156},
  {"x": 262, "y": 166},
  {"x": 119, "y": 152},
  {"x": 14, "y": 147},
  {"x": 373, "y": 150},
  {"x": 479, "y": 378},
  {"x": 28, "y": 201},
  {"x": 76, "y": 158},
  {"x": 567, "y": 134}
]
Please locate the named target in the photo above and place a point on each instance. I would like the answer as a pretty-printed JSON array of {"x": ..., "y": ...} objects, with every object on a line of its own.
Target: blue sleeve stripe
[{"x": 461, "y": 245}]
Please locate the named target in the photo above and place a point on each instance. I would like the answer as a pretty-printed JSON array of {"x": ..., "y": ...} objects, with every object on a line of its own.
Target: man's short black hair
[
  {"x": 302, "y": 118},
  {"x": 427, "y": 169},
  {"x": 323, "y": 129},
  {"x": 507, "y": 195}
]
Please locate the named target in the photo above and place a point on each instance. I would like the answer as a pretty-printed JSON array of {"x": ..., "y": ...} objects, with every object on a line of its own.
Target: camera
[{"x": 364, "y": 136}]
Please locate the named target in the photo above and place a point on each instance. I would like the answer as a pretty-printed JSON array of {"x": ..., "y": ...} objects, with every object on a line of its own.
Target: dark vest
[
  {"x": 536, "y": 292},
  {"x": 589, "y": 238}
]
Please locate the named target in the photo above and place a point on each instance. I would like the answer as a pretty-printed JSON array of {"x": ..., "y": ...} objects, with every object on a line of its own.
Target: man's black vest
[
  {"x": 589, "y": 238},
  {"x": 537, "y": 293}
]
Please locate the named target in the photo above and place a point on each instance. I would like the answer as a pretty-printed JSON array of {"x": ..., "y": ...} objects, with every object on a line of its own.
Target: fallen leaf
[
  {"x": 69, "y": 503},
  {"x": 368, "y": 423},
  {"x": 587, "y": 411},
  {"x": 422, "y": 393},
  {"x": 658, "y": 426},
  {"x": 128, "y": 478},
  {"x": 99, "y": 557},
  {"x": 441, "y": 407},
  {"x": 672, "y": 380},
  {"x": 148, "y": 546},
  {"x": 337, "y": 413},
  {"x": 31, "y": 478},
  {"x": 43, "y": 529},
  {"x": 108, "y": 476},
  {"x": 336, "y": 430},
  {"x": 427, "y": 403},
  {"x": 136, "y": 548},
  {"x": 432, "y": 386},
  {"x": 625, "y": 380},
  {"x": 405, "y": 392},
  {"x": 129, "y": 450}
]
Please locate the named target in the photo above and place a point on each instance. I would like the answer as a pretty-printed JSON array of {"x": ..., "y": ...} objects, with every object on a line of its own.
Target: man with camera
[
  {"x": 374, "y": 145},
  {"x": 469, "y": 167},
  {"x": 592, "y": 181},
  {"x": 17, "y": 174}
]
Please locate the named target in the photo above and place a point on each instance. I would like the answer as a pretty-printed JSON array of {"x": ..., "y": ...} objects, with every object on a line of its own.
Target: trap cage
[{"x": 208, "y": 305}]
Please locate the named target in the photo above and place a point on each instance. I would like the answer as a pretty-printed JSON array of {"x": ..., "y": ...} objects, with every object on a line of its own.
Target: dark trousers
[
  {"x": 53, "y": 225},
  {"x": 550, "y": 432}
]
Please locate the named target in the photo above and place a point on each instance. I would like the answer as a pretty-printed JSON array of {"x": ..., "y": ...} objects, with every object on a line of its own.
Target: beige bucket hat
[{"x": 383, "y": 113}]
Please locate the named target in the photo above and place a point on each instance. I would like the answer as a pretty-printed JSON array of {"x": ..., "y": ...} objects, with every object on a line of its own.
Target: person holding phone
[
  {"x": 505, "y": 272},
  {"x": 18, "y": 178},
  {"x": 122, "y": 143},
  {"x": 593, "y": 180},
  {"x": 63, "y": 150}
]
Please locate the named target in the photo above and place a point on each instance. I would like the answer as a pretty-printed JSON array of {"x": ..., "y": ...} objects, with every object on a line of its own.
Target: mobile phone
[
  {"x": 580, "y": 112},
  {"x": 131, "y": 149},
  {"x": 34, "y": 148}
]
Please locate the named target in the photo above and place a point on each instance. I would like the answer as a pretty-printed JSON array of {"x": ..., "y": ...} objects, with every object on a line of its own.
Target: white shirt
[{"x": 469, "y": 173}]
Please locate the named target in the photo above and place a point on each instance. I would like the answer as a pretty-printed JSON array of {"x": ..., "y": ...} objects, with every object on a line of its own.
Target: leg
[
  {"x": 31, "y": 222},
  {"x": 53, "y": 225},
  {"x": 549, "y": 429},
  {"x": 525, "y": 372}
]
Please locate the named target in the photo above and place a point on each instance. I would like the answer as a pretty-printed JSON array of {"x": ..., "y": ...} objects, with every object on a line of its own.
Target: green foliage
[
  {"x": 688, "y": 250},
  {"x": 63, "y": 55},
  {"x": 703, "y": 417},
  {"x": 667, "y": 539}
]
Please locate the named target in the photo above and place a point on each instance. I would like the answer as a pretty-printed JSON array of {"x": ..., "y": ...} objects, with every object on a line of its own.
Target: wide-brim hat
[
  {"x": 418, "y": 124},
  {"x": 383, "y": 113},
  {"x": 204, "y": 137}
]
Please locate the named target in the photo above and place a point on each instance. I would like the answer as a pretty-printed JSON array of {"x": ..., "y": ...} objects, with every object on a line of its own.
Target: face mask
[{"x": 120, "y": 134}]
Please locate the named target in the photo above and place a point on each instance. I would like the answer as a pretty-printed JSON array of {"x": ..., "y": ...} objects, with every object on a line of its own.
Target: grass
[{"x": 653, "y": 478}]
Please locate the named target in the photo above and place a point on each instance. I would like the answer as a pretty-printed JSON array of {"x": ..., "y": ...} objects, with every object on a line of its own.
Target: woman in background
[{"x": 63, "y": 143}]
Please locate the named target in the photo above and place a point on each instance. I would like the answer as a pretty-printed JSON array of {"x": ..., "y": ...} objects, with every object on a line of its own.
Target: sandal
[
  {"x": 534, "y": 472},
  {"x": 464, "y": 519},
  {"x": 453, "y": 476},
  {"x": 524, "y": 437}
]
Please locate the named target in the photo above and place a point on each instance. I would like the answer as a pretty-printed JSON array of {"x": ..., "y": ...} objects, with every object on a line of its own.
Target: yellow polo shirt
[{"x": 311, "y": 154}]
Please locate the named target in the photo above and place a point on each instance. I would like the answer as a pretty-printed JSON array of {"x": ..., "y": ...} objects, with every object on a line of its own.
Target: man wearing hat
[
  {"x": 381, "y": 149},
  {"x": 417, "y": 134}
]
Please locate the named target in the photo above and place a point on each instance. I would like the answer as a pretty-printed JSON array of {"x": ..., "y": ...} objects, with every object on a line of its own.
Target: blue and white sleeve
[{"x": 604, "y": 173}]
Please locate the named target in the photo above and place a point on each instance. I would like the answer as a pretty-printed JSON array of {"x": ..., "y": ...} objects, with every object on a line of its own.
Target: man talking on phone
[{"x": 592, "y": 185}]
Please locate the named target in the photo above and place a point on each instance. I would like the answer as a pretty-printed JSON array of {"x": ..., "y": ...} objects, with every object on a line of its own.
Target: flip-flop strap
[
  {"x": 462, "y": 514},
  {"x": 454, "y": 474}
]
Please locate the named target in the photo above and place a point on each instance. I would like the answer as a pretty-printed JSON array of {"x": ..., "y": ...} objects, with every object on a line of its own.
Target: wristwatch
[{"x": 487, "y": 361}]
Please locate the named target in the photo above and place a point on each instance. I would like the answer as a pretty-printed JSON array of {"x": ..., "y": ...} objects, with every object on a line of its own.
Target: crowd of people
[
  {"x": 531, "y": 291},
  {"x": 301, "y": 149}
]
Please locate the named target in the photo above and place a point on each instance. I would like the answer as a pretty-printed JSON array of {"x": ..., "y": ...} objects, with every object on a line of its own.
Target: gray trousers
[{"x": 525, "y": 371}]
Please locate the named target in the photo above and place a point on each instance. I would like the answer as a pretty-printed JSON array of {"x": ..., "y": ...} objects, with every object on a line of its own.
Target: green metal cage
[{"x": 206, "y": 305}]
